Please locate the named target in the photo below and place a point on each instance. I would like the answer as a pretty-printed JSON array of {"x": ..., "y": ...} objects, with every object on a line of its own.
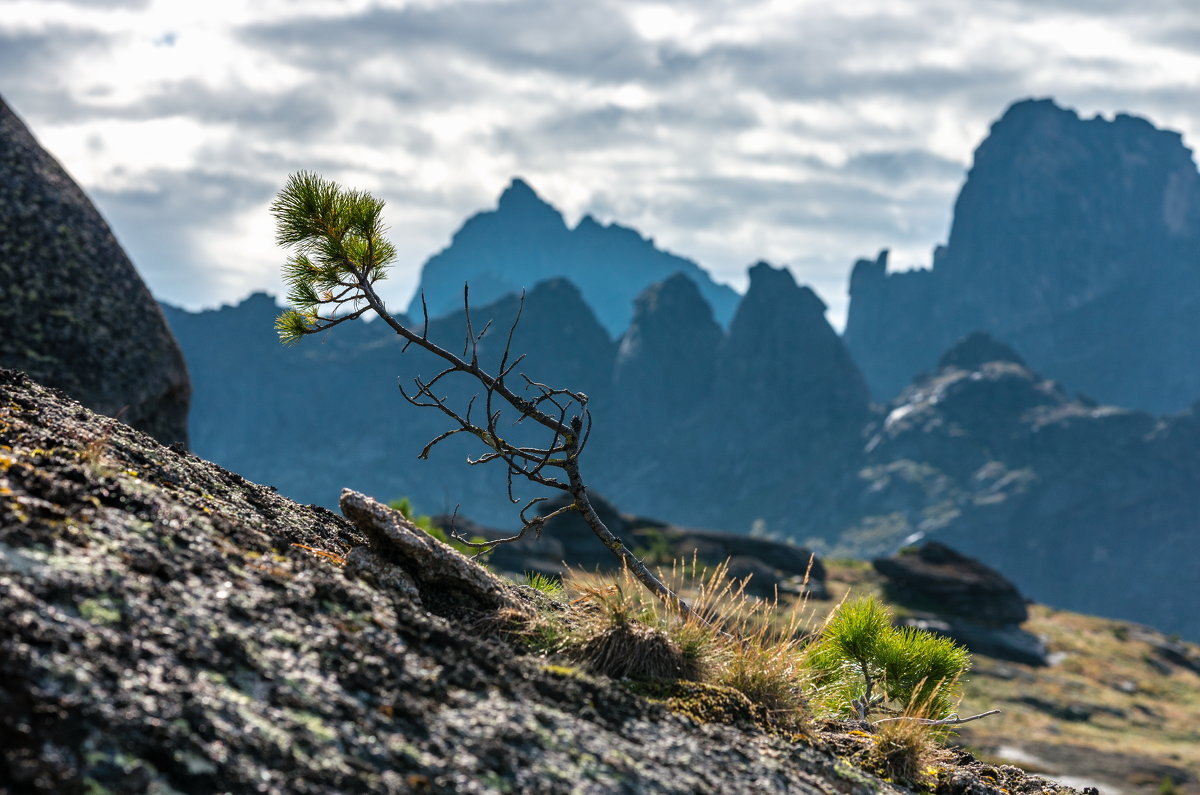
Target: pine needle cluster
[{"x": 338, "y": 239}]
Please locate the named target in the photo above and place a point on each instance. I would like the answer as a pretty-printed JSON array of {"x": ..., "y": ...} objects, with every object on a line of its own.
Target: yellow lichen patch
[
  {"x": 338, "y": 559},
  {"x": 18, "y": 511},
  {"x": 704, "y": 703}
]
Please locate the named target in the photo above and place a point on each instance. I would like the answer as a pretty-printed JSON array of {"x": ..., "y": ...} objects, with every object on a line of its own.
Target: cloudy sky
[{"x": 805, "y": 133}]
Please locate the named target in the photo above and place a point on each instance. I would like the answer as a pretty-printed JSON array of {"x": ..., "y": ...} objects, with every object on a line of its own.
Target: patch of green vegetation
[
  {"x": 543, "y": 583},
  {"x": 862, "y": 663},
  {"x": 101, "y": 610},
  {"x": 703, "y": 703}
]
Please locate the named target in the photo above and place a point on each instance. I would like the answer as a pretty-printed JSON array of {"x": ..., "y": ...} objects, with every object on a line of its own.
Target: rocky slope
[
  {"x": 1077, "y": 241},
  {"x": 525, "y": 241},
  {"x": 73, "y": 311},
  {"x": 169, "y": 626}
]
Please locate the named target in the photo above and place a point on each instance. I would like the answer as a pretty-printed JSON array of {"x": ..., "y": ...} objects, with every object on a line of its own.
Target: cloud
[
  {"x": 585, "y": 40},
  {"x": 809, "y": 134},
  {"x": 893, "y": 167}
]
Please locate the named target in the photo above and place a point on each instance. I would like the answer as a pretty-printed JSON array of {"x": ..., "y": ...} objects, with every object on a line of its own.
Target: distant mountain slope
[
  {"x": 675, "y": 389},
  {"x": 1062, "y": 496},
  {"x": 1085, "y": 507},
  {"x": 525, "y": 241},
  {"x": 1076, "y": 241}
]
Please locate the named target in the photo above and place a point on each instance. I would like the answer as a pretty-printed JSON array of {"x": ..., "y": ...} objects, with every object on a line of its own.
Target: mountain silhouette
[{"x": 525, "y": 241}]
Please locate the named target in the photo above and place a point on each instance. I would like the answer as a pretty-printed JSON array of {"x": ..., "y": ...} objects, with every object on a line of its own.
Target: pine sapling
[{"x": 340, "y": 254}]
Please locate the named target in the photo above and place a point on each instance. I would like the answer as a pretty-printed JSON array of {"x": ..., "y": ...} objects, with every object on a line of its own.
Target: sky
[{"x": 808, "y": 134}]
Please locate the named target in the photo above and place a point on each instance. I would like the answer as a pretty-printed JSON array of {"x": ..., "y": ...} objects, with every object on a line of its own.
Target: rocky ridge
[{"x": 1062, "y": 496}]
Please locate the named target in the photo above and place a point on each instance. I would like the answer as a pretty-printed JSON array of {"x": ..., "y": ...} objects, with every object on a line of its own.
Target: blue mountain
[{"x": 525, "y": 241}]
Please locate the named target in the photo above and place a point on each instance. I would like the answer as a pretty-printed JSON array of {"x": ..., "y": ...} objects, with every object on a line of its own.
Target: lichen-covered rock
[
  {"x": 166, "y": 626},
  {"x": 73, "y": 311}
]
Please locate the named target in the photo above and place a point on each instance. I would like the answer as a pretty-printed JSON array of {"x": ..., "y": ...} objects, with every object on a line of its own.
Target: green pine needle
[{"x": 337, "y": 235}]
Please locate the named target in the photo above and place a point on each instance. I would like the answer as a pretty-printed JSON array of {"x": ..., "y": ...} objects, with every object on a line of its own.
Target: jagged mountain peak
[
  {"x": 520, "y": 195},
  {"x": 772, "y": 286},
  {"x": 1075, "y": 240},
  {"x": 525, "y": 240}
]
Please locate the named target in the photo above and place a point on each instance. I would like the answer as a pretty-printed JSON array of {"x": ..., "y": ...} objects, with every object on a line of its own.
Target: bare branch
[
  {"x": 535, "y": 524},
  {"x": 424, "y": 456},
  {"x": 953, "y": 720}
]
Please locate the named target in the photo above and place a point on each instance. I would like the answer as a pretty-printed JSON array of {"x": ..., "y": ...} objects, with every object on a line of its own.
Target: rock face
[
  {"x": 666, "y": 360},
  {"x": 787, "y": 415},
  {"x": 73, "y": 311},
  {"x": 1075, "y": 241},
  {"x": 525, "y": 241},
  {"x": 780, "y": 348},
  {"x": 166, "y": 625},
  {"x": 963, "y": 599}
]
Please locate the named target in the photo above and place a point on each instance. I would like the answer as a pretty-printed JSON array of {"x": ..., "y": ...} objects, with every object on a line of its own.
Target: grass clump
[
  {"x": 545, "y": 585},
  {"x": 730, "y": 654},
  {"x": 734, "y": 643},
  {"x": 904, "y": 750},
  {"x": 623, "y": 632}
]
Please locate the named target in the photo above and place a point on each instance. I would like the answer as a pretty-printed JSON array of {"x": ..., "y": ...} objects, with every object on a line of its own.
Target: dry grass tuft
[
  {"x": 632, "y": 651},
  {"x": 733, "y": 640},
  {"x": 903, "y": 750}
]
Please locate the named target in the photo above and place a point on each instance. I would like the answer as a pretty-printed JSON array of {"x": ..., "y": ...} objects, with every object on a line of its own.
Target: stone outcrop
[
  {"x": 73, "y": 311},
  {"x": 1076, "y": 241},
  {"x": 935, "y": 576},
  {"x": 525, "y": 241},
  {"x": 957, "y": 596}
]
